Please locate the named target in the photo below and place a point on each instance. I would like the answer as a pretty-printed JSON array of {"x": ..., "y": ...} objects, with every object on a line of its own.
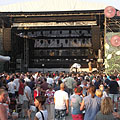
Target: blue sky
[
  {"x": 114, "y": 3},
  {"x": 6, "y": 2}
]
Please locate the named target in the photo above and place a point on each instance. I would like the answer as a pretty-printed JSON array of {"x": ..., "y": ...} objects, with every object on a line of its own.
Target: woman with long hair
[
  {"x": 91, "y": 103},
  {"x": 42, "y": 113},
  {"x": 106, "y": 110}
]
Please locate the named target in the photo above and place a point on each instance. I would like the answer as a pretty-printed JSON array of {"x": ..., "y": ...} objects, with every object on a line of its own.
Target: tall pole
[
  {"x": 26, "y": 53},
  {"x": 105, "y": 31}
]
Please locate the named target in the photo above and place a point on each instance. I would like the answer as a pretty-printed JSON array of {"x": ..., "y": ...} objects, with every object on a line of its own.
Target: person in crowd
[
  {"x": 21, "y": 94},
  {"x": 50, "y": 102},
  {"x": 61, "y": 101},
  {"x": 97, "y": 82},
  {"x": 6, "y": 104},
  {"x": 44, "y": 86},
  {"x": 32, "y": 84},
  {"x": 7, "y": 78},
  {"x": 27, "y": 77},
  {"x": 70, "y": 83},
  {"x": 91, "y": 103},
  {"x": 104, "y": 92},
  {"x": 42, "y": 113},
  {"x": 106, "y": 110},
  {"x": 76, "y": 101},
  {"x": 35, "y": 76},
  {"x": 99, "y": 93},
  {"x": 56, "y": 78},
  {"x": 106, "y": 82},
  {"x": 75, "y": 91},
  {"x": 27, "y": 98},
  {"x": 50, "y": 79},
  {"x": 3, "y": 110},
  {"x": 16, "y": 81},
  {"x": 21, "y": 91},
  {"x": 84, "y": 86},
  {"x": 93, "y": 80},
  {"x": 3, "y": 82},
  {"x": 57, "y": 87},
  {"x": 113, "y": 91},
  {"x": 37, "y": 91},
  {"x": 91, "y": 76},
  {"x": 118, "y": 80},
  {"x": 11, "y": 88}
]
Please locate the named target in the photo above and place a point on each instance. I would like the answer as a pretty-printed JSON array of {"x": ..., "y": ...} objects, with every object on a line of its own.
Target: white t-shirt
[
  {"x": 118, "y": 83},
  {"x": 16, "y": 81},
  {"x": 11, "y": 87},
  {"x": 104, "y": 95},
  {"x": 27, "y": 90},
  {"x": 60, "y": 98},
  {"x": 50, "y": 81},
  {"x": 27, "y": 79},
  {"x": 39, "y": 115}
]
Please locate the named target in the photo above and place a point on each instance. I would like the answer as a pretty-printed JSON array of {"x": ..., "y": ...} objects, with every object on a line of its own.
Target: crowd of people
[{"x": 52, "y": 96}]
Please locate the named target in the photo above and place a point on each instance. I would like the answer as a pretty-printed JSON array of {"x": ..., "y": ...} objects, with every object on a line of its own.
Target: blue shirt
[
  {"x": 92, "y": 106},
  {"x": 76, "y": 100}
]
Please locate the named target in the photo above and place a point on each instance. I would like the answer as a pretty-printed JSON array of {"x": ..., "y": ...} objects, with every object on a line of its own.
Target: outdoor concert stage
[{"x": 58, "y": 39}]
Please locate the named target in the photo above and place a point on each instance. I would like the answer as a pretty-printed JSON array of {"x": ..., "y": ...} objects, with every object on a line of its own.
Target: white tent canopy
[
  {"x": 55, "y": 5},
  {"x": 76, "y": 67}
]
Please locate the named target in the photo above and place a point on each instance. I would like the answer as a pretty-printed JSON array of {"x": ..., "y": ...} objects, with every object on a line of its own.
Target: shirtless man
[{"x": 3, "y": 110}]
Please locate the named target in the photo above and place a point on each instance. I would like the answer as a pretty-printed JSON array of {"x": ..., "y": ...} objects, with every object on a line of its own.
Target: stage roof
[{"x": 55, "y": 5}]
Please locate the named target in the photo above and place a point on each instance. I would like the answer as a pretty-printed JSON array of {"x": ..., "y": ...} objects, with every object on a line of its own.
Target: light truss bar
[{"x": 79, "y": 23}]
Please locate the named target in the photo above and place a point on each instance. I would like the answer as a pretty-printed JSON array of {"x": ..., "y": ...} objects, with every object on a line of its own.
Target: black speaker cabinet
[
  {"x": 95, "y": 37},
  {"x": 7, "y": 39}
]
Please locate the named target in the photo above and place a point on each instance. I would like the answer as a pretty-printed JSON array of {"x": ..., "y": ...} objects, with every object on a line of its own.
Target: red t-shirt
[
  {"x": 36, "y": 93},
  {"x": 21, "y": 89}
]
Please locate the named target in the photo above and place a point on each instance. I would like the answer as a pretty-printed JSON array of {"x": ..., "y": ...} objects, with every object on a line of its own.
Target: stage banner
[{"x": 112, "y": 53}]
